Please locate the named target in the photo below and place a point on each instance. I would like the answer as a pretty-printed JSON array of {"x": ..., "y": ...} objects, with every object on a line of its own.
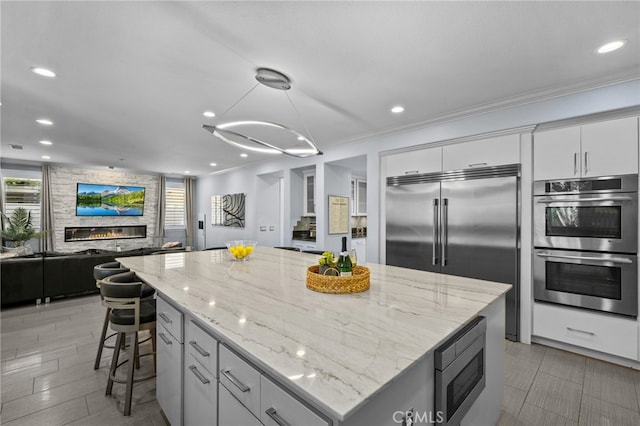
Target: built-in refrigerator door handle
[
  {"x": 436, "y": 213},
  {"x": 575, "y": 163},
  {"x": 445, "y": 230}
]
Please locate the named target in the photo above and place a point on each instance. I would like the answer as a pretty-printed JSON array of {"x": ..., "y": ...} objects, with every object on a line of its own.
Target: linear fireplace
[{"x": 90, "y": 233}]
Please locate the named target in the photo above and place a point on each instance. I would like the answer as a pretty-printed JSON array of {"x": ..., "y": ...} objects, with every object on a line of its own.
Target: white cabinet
[
  {"x": 358, "y": 197},
  {"x": 309, "y": 193},
  {"x": 200, "y": 377},
  {"x": 601, "y": 332},
  {"x": 488, "y": 152},
  {"x": 304, "y": 245},
  {"x": 277, "y": 408},
  {"x": 610, "y": 147},
  {"x": 420, "y": 161},
  {"x": 169, "y": 359},
  {"x": 360, "y": 245},
  {"x": 200, "y": 394},
  {"x": 241, "y": 379},
  {"x": 597, "y": 149},
  {"x": 231, "y": 412}
]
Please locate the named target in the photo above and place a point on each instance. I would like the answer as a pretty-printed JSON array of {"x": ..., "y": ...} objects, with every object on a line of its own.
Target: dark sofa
[{"x": 52, "y": 275}]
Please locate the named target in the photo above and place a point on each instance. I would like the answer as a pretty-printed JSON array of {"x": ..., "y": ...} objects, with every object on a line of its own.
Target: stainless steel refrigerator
[{"x": 463, "y": 223}]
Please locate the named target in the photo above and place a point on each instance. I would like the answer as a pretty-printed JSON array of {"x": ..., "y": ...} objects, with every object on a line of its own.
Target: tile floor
[
  {"x": 48, "y": 377},
  {"x": 47, "y": 369}
]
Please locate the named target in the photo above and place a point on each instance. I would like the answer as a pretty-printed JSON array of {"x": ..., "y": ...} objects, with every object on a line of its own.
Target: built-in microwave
[
  {"x": 605, "y": 282},
  {"x": 460, "y": 365},
  {"x": 595, "y": 214}
]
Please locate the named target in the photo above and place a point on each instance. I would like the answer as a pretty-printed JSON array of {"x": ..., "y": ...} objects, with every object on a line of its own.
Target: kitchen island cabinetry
[
  {"x": 169, "y": 361},
  {"x": 598, "y": 149},
  {"x": 200, "y": 377},
  {"x": 286, "y": 353}
]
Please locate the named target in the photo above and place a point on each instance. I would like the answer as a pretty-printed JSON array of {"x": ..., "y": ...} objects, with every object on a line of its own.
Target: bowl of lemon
[{"x": 241, "y": 249}]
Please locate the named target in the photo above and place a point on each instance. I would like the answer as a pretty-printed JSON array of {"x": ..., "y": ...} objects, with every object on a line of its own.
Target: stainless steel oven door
[
  {"x": 605, "y": 282},
  {"x": 599, "y": 222}
]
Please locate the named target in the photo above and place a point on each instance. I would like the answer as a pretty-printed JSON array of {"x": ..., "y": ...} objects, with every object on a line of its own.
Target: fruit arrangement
[{"x": 241, "y": 249}]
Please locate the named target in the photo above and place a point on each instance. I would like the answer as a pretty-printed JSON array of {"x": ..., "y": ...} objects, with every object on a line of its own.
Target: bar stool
[
  {"x": 100, "y": 272},
  {"x": 129, "y": 314}
]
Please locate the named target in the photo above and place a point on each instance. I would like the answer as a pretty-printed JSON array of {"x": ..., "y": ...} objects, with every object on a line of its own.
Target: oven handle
[
  {"x": 598, "y": 259},
  {"x": 577, "y": 200}
]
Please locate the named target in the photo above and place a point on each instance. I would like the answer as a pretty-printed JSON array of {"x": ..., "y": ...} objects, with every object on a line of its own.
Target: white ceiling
[{"x": 133, "y": 78}]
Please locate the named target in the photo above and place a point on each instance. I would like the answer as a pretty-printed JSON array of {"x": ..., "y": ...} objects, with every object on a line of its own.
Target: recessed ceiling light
[
  {"x": 212, "y": 164},
  {"x": 46, "y": 157},
  {"x": 243, "y": 155},
  {"x": 43, "y": 72},
  {"x": 610, "y": 47},
  {"x": 209, "y": 114},
  {"x": 44, "y": 121},
  {"x": 397, "y": 109},
  {"x": 46, "y": 142},
  {"x": 187, "y": 171}
]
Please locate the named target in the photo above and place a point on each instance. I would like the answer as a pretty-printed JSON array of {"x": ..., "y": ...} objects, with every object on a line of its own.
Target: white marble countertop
[{"x": 336, "y": 351}]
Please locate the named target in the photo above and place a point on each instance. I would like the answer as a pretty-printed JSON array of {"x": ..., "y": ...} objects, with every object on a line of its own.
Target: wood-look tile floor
[
  {"x": 547, "y": 386},
  {"x": 48, "y": 377},
  {"x": 47, "y": 369}
]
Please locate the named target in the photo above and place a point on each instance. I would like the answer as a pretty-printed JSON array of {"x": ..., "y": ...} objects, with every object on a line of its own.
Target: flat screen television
[{"x": 109, "y": 200}]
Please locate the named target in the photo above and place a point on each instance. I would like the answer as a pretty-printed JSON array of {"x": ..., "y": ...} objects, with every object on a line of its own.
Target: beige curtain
[
  {"x": 188, "y": 209},
  {"x": 160, "y": 231},
  {"x": 47, "y": 241}
]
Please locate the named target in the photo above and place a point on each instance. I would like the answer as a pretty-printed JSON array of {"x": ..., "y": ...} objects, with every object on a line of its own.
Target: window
[
  {"x": 217, "y": 216},
  {"x": 25, "y": 193},
  {"x": 175, "y": 205}
]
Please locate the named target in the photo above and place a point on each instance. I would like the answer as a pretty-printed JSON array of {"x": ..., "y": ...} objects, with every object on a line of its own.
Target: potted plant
[{"x": 18, "y": 229}]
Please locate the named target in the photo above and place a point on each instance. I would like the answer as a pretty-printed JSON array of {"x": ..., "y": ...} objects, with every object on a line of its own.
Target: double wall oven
[{"x": 586, "y": 240}]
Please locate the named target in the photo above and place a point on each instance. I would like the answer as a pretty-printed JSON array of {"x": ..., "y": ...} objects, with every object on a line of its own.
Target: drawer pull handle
[
  {"x": 236, "y": 382},
  {"x": 165, "y": 339},
  {"x": 198, "y": 348},
  {"x": 199, "y": 375},
  {"x": 271, "y": 412},
  {"x": 581, "y": 331},
  {"x": 412, "y": 172},
  {"x": 477, "y": 164},
  {"x": 165, "y": 318}
]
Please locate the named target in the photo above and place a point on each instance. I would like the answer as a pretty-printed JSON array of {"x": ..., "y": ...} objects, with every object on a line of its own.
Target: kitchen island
[{"x": 365, "y": 358}]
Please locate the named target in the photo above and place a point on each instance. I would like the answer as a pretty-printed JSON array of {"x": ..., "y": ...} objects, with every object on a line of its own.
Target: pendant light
[{"x": 243, "y": 134}]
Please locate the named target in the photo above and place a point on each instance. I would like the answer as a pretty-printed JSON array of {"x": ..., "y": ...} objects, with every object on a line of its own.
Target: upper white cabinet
[
  {"x": 482, "y": 153},
  {"x": 420, "y": 161},
  {"x": 610, "y": 147},
  {"x": 598, "y": 149},
  {"x": 309, "y": 193},
  {"x": 358, "y": 197}
]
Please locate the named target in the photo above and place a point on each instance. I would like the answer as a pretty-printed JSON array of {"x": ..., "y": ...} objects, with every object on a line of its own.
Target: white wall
[{"x": 616, "y": 96}]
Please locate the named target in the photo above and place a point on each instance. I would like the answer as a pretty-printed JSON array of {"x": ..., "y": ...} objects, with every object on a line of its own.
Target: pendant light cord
[
  {"x": 300, "y": 118},
  {"x": 238, "y": 101}
]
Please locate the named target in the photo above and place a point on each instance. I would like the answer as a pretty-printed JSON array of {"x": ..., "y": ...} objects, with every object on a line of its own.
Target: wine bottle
[{"x": 344, "y": 261}]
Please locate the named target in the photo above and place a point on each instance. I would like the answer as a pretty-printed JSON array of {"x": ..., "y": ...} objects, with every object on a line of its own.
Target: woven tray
[{"x": 356, "y": 283}]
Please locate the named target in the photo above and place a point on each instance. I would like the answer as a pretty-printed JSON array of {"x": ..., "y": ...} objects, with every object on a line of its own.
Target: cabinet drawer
[
  {"x": 414, "y": 162},
  {"x": 482, "y": 153},
  {"x": 170, "y": 318},
  {"x": 200, "y": 394},
  {"x": 169, "y": 376},
  {"x": 231, "y": 412},
  {"x": 202, "y": 346},
  {"x": 241, "y": 379},
  {"x": 278, "y": 405},
  {"x": 600, "y": 332}
]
